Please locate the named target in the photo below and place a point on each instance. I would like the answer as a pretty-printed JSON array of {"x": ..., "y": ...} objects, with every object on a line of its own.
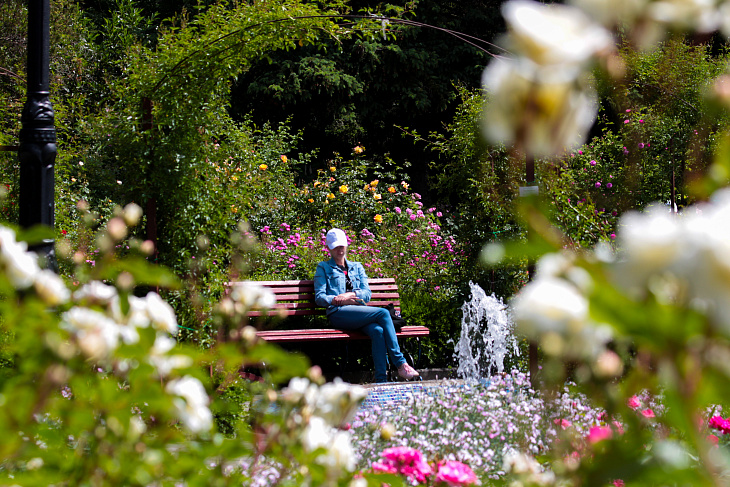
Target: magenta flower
[
  {"x": 648, "y": 413},
  {"x": 580, "y": 152},
  {"x": 634, "y": 403},
  {"x": 641, "y": 145},
  {"x": 397, "y": 210},
  {"x": 404, "y": 460},
  {"x": 599, "y": 433},
  {"x": 613, "y": 236},
  {"x": 439, "y": 214},
  {"x": 628, "y": 110},
  {"x": 626, "y": 151},
  {"x": 641, "y": 121},
  {"x": 719, "y": 423},
  {"x": 626, "y": 121},
  {"x": 593, "y": 163},
  {"x": 609, "y": 185},
  {"x": 454, "y": 473},
  {"x": 598, "y": 184}
]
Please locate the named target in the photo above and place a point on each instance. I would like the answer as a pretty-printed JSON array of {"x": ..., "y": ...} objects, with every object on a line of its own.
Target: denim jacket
[{"x": 329, "y": 282}]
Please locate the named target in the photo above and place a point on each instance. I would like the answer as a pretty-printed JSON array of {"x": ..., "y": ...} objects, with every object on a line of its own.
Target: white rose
[
  {"x": 161, "y": 313},
  {"x": 338, "y": 401},
  {"x": 553, "y": 34},
  {"x": 132, "y": 214},
  {"x": 95, "y": 292},
  {"x": 549, "y": 305},
  {"x": 20, "y": 265},
  {"x": 163, "y": 363},
  {"x": 700, "y": 15},
  {"x": 544, "y": 109},
  {"x": 192, "y": 405},
  {"x": 650, "y": 243},
  {"x": 317, "y": 434},
  {"x": 51, "y": 288},
  {"x": 612, "y": 12},
  {"x": 136, "y": 315},
  {"x": 252, "y": 295}
]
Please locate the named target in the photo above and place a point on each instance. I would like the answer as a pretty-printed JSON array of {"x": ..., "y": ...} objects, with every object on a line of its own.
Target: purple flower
[
  {"x": 598, "y": 184},
  {"x": 626, "y": 151},
  {"x": 397, "y": 210},
  {"x": 641, "y": 145},
  {"x": 593, "y": 163},
  {"x": 609, "y": 185}
]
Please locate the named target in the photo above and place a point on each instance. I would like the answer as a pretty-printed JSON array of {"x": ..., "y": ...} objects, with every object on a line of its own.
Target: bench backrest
[{"x": 295, "y": 298}]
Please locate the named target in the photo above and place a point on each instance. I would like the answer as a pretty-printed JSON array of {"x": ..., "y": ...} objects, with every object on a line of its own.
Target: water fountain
[
  {"x": 485, "y": 341},
  {"x": 486, "y": 336}
]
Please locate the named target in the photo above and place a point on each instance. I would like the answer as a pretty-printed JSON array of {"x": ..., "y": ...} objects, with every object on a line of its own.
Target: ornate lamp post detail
[{"x": 37, "y": 152}]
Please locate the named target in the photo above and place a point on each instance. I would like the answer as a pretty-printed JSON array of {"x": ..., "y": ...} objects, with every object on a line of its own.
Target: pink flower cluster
[
  {"x": 410, "y": 462},
  {"x": 718, "y": 423},
  {"x": 405, "y": 461}
]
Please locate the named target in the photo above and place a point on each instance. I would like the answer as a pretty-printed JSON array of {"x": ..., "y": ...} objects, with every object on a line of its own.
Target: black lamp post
[{"x": 37, "y": 151}]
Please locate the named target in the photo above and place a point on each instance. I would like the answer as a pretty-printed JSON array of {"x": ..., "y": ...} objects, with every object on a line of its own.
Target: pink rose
[
  {"x": 599, "y": 433},
  {"x": 454, "y": 473},
  {"x": 648, "y": 413},
  {"x": 404, "y": 460},
  {"x": 633, "y": 402}
]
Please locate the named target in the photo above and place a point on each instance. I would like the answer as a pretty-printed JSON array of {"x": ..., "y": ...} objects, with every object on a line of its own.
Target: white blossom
[
  {"x": 192, "y": 404},
  {"x": 132, "y": 214},
  {"x": 95, "y": 292},
  {"x": 545, "y": 109},
  {"x": 161, "y": 313},
  {"x": 97, "y": 335},
  {"x": 20, "y": 265},
  {"x": 553, "y": 34},
  {"x": 253, "y": 295},
  {"x": 164, "y": 363},
  {"x": 51, "y": 288}
]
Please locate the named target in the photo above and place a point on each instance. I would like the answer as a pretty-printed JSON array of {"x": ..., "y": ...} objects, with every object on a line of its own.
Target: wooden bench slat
[{"x": 331, "y": 334}]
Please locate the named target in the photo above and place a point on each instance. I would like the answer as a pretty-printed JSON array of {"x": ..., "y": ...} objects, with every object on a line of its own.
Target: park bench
[{"x": 296, "y": 298}]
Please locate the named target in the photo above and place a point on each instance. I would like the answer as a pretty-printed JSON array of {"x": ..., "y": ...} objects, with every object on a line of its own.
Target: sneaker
[{"x": 407, "y": 372}]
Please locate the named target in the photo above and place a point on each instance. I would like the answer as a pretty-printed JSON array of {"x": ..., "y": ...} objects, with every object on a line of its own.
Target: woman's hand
[{"x": 345, "y": 299}]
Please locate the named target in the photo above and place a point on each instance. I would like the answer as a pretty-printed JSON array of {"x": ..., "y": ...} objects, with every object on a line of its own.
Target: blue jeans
[{"x": 375, "y": 323}]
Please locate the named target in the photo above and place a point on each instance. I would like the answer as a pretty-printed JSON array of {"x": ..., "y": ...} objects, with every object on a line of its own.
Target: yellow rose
[
  {"x": 284, "y": 159},
  {"x": 343, "y": 189},
  {"x": 333, "y": 168},
  {"x": 391, "y": 190},
  {"x": 234, "y": 209},
  {"x": 316, "y": 183},
  {"x": 378, "y": 218},
  {"x": 404, "y": 184},
  {"x": 234, "y": 177},
  {"x": 330, "y": 196},
  {"x": 374, "y": 182},
  {"x": 367, "y": 187},
  {"x": 377, "y": 196},
  {"x": 310, "y": 200},
  {"x": 263, "y": 167},
  {"x": 358, "y": 149}
]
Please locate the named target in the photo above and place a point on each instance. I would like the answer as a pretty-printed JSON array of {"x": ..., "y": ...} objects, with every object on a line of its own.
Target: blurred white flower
[
  {"x": 553, "y": 34},
  {"x": 698, "y": 15},
  {"x": 161, "y": 313},
  {"x": 544, "y": 110},
  {"x": 192, "y": 404},
  {"x": 51, "y": 288},
  {"x": 612, "y": 13},
  {"x": 97, "y": 335},
  {"x": 300, "y": 389},
  {"x": 132, "y": 214},
  {"x": 20, "y": 265},
  {"x": 316, "y": 434},
  {"x": 95, "y": 292},
  {"x": 337, "y": 401},
  {"x": 252, "y": 295},
  {"x": 164, "y": 363},
  {"x": 136, "y": 316},
  {"x": 554, "y": 312},
  {"x": 562, "y": 264},
  {"x": 650, "y": 243}
]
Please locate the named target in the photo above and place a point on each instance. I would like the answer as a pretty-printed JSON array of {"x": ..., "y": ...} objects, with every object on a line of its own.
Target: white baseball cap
[{"x": 335, "y": 238}]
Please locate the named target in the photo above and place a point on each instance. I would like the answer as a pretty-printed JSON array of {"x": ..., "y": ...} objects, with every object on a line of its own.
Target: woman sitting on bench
[{"x": 342, "y": 287}]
